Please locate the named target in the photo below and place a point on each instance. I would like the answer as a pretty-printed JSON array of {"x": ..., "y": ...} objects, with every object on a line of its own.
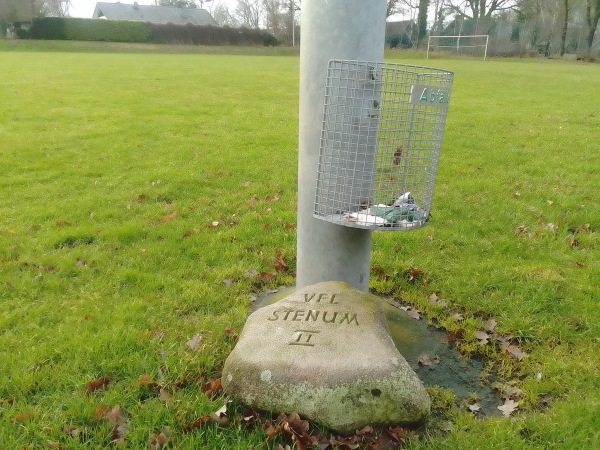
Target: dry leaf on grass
[
  {"x": 427, "y": 360},
  {"x": 413, "y": 274},
  {"x": 474, "y": 408},
  {"x": 194, "y": 342},
  {"x": 212, "y": 388},
  {"x": 158, "y": 441},
  {"x": 170, "y": 217},
  {"x": 230, "y": 333},
  {"x": 513, "y": 350},
  {"x": 490, "y": 325},
  {"x": 119, "y": 419},
  {"x": 279, "y": 262},
  {"x": 92, "y": 386},
  {"x": 412, "y": 313},
  {"x": 509, "y": 407},
  {"x": 435, "y": 300},
  {"x": 482, "y": 337}
]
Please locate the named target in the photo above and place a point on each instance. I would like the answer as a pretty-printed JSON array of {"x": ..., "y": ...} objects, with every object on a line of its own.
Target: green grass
[{"x": 114, "y": 163}]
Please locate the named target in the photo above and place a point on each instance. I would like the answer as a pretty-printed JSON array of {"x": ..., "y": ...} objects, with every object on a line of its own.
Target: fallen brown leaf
[
  {"x": 72, "y": 431},
  {"x": 412, "y": 313},
  {"x": 144, "y": 380},
  {"x": 414, "y": 274},
  {"x": 509, "y": 407},
  {"x": 196, "y": 424},
  {"x": 158, "y": 441},
  {"x": 482, "y": 337},
  {"x": 251, "y": 273},
  {"x": 456, "y": 335},
  {"x": 490, "y": 325},
  {"x": 170, "y": 217},
  {"x": 7, "y": 401},
  {"x": 92, "y": 386},
  {"x": 380, "y": 273},
  {"x": 231, "y": 333},
  {"x": 279, "y": 262},
  {"x": 119, "y": 418},
  {"x": 346, "y": 443},
  {"x": 271, "y": 430},
  {"x": 252, "y": 201},
  {"x": 364, "y": 431},
  {"x": 268, "y": 275},
  {"x": 398, "y": 434},
  {"x": 297, "y": 430},
  {"x": 164, "y": 395},
  {"x": 513, "y": 350},
  {"x": 424, "y": 360},
  {"x": 191, "y": 232},
  {"x": 26, "y": 415},
  {"x": 212, "y": 388},
  {"x": 115, "y": 415},
  {"x": 474, "y": 408},
  {"x": 222, "y": 421},
  {"x": 435, "y": 300},
  {"x": 194, "y": 342}
]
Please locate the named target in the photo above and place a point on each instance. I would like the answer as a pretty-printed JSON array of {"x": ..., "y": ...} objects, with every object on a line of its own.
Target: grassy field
[{"x": 147, "y": 195}]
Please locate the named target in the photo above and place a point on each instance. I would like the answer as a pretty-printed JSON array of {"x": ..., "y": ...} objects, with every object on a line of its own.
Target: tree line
[
  {"x": 549, "y": 26},
  {"x": 554, "y": 26}
]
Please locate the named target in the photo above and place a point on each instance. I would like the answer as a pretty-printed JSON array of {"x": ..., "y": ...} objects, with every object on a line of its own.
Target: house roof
[
  {"x": 399, "y": 27},
  {"x": 154, "y": 14}
]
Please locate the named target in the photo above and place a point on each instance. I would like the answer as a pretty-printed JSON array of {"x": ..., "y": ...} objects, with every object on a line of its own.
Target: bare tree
[
  {"x": 422, "y": 20},
  {"x": 567, "y": 4},
  {"x": 223, "y": 16},
  {"x": 275, "y": 20},
  {"x": 441, "y": 11},
  {"x": 481, "y": 8},
  {"x": 56, "y": 8},
  {"x": 592, "y": 17},
  {"x": 392, "y": 7},
  {"x": 249, "y": 13}
]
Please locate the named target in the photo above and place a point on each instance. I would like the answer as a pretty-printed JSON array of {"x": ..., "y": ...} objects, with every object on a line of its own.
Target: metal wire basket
[{"x": 381, "y": 138}]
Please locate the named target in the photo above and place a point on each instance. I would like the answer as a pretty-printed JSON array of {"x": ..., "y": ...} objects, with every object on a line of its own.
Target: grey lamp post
[{"x": 331, "y": 29}]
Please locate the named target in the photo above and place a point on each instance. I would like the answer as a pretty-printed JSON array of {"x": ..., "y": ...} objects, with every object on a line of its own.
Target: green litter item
[{"x": 395, "y": 214}]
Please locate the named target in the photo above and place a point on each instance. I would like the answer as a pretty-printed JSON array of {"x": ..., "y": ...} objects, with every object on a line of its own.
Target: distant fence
[{"x": 67, "y": 28}]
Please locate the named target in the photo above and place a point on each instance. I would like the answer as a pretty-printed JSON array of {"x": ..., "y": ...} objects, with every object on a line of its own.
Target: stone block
[{"x": 324, "y": 352}]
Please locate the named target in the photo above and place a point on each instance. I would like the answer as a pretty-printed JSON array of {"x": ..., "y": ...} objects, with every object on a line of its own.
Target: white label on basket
[{"x": 429, "y": 95}]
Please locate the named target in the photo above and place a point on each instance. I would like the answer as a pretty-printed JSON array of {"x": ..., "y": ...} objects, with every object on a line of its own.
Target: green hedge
[
  {"x": 62, "y": 28},
  {"x": 66, "y": 28},
  {"x": 208, "y": 35}
]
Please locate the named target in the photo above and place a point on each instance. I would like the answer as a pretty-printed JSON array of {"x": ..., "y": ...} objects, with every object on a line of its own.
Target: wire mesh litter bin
[{"x": 381, "y": 138}]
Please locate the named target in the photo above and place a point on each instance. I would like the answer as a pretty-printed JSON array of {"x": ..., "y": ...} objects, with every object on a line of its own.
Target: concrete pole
[{"x": 331, "y": 29}]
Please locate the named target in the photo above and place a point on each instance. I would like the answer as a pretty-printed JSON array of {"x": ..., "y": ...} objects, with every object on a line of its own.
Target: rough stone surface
[{"x": 324, "y": 352}]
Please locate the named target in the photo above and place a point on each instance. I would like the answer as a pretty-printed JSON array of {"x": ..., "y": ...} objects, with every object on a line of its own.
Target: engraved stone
[{"x": 324, "y": 352}]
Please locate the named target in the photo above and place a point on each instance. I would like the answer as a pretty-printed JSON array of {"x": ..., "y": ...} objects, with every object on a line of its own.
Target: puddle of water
[{"x": 414, "y": 338}]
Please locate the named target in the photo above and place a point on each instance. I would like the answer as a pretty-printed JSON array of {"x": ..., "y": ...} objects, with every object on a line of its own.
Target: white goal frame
[{"x": 457, "y": 47}]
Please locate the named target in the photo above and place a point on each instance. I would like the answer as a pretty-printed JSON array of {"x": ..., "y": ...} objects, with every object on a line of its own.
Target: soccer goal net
[{"x": 472, "y": 45}]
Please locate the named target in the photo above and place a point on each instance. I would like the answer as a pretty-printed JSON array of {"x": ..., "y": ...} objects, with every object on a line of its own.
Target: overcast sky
[{"x": 85, "y": 8}]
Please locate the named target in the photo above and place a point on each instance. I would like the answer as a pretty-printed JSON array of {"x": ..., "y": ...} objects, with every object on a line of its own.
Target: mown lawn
[{"x": 145, "y": 197}]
